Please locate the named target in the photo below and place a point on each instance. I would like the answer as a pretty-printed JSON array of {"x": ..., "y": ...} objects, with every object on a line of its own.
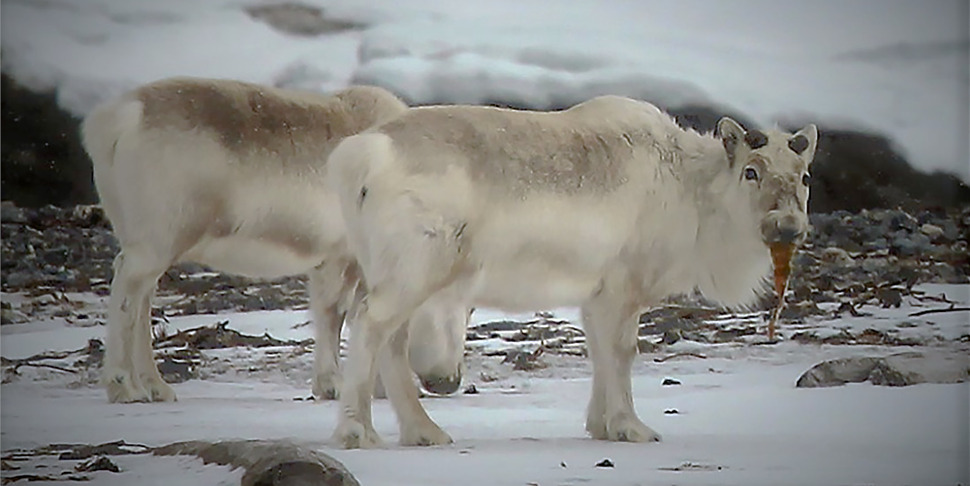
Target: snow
[
  {"x": 896, "y": 67},
  {"x": 750, "y": 422},
  {"x": 740, "y": 419}
]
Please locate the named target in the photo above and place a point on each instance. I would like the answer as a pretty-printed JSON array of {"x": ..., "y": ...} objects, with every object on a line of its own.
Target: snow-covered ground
[
  {"x": 740, "y": 420},
  {"x": 893, "y": 66}
]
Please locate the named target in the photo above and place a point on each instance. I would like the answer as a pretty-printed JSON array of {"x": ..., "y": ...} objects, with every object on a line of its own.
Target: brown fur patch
[
  {"x": 755, "y": 139},
  {"x": 798, "y": 144},
  {"x": 517, "y": 150},
  {"x": 251, "y": 120}
]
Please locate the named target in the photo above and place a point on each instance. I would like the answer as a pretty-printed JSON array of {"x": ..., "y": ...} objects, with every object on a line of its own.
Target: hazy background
[{"x": 891, "y": 75}]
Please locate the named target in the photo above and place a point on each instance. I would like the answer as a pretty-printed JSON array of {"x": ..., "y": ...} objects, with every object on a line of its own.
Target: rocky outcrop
[{"x": 44, "y": 162}]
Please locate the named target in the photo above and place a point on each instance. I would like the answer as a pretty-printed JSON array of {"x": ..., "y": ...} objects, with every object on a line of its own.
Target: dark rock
[
  {"x": 733, "y": 334},
  {"x": 75, "y": 452},
  {"x": 932, "y": 231},
  {"x": 56, "y": 256},
  {"x": 493, "y": 326},
  {"x": 471, "y": 389},
  {"x": 670, "y": 382},
  {"x": 22, "y": 279},
  {"x": 690, "y": 466},
  {"x": 30, "y": 478},
  {"x": 99, "y": 463},
  {"x": 12, "y": 316},
  {"x": 671, "y": 336},
  {"x": 798, "y": 311},
  {"x": 804, "y": 337},
  {"x": 605, "y": 463},
  {"x": 889, "y": 297},
  {"x": 94, "y": 354},
  {"x": 11, "y": 214},
  {"x": 176, "y": 370},
  {"x": 837, "y": 372},
  {"x": 843, "y": 337},
  {"x": 645, "y": 345},
  {"x": 220, "y": 336},
  {"x": 524, "y": 360}
]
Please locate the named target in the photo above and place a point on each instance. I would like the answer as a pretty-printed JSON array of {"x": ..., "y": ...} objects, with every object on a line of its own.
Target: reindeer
[
  {"x": 231, "y": 175},
  {"x": 609, "y": 206}
]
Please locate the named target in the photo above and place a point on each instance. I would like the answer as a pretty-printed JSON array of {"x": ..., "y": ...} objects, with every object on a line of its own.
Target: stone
[
  {"x": 268, "y": 462},
  {"x": 932, "y": 231},
  {"x": 10, "y": 213},
  {"x": 836, "y": 255},
  {"x": 901, "y": 369},
  {"x": 12, "y": 316},
  {"x": 99, "y": 463}
]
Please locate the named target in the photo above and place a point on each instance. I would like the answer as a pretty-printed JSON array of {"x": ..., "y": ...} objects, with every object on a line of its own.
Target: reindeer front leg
[
  {"x": 379, "y": 316},
  {"x": 417, "y": 428},
  {"x": 130, "y": 373},
  {"x": 611, "y": 337}
]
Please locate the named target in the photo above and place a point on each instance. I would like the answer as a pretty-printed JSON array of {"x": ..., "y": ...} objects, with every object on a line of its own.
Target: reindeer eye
[
  {"x": 806, "y": 179},
  {"x": 750, "y": 173}
]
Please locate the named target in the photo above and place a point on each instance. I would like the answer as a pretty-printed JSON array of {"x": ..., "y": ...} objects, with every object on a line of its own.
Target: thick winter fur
[
  {"x": 231, "y": 175},
  {"x": 608, "y": 205}
]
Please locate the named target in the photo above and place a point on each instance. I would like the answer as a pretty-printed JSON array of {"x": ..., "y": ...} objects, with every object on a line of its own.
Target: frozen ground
[
  {"x": 892, "y": 66},
  {"x": 740, "y": 420}
]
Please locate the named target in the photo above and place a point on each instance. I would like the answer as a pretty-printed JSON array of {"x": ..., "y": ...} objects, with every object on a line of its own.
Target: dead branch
[{"x": 939, "y": 311}]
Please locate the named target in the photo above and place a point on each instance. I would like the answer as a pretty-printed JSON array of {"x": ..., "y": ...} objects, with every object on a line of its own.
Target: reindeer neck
[{"x": 723, "y": 246}]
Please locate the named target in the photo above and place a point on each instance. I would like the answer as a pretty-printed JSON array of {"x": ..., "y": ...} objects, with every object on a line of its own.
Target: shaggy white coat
[
  {"x": 609, "y": 205},
  {"x": 231, "y": 175}
]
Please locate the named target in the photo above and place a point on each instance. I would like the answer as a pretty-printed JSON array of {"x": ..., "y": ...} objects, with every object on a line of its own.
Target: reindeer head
[{"x": 771, "y": 168}]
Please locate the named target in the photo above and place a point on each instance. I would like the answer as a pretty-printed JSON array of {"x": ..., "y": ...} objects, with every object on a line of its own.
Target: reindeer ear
[
  {"x": 803, "y": 142},
  {"x": 731, "y": 135}
]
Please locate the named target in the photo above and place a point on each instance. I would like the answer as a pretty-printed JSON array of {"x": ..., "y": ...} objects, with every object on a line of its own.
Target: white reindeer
[
  {"x": 609, "y": 205},
  {"x": 231, "y": 175}
]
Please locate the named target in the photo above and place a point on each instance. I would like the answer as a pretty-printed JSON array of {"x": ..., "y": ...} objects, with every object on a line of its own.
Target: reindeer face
[{"x": 772, "y": 174}]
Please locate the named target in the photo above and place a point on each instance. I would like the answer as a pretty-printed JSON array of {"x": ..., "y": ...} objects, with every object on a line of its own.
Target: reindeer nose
[
  {"x": 442, "y": 385},
  {"x": 785, "y": 229},
  {"x": 787, "y": 235}
]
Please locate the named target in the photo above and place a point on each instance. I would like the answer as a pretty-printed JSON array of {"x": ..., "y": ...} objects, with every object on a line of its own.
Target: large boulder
[
  {"x": 901, "y": 369},
  {"x": 268, "y": 462}
]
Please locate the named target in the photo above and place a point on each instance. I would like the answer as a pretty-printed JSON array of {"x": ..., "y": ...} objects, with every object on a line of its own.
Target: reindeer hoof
[
  {"x": 427, "y": 435},
  {"x": 122, "y": 388},
  {"x": 351, "y": 434},
  {"x": 161, "y": 391},
  {"x": 630, "y": 429},
  {"x": 326, "y": 388}
]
